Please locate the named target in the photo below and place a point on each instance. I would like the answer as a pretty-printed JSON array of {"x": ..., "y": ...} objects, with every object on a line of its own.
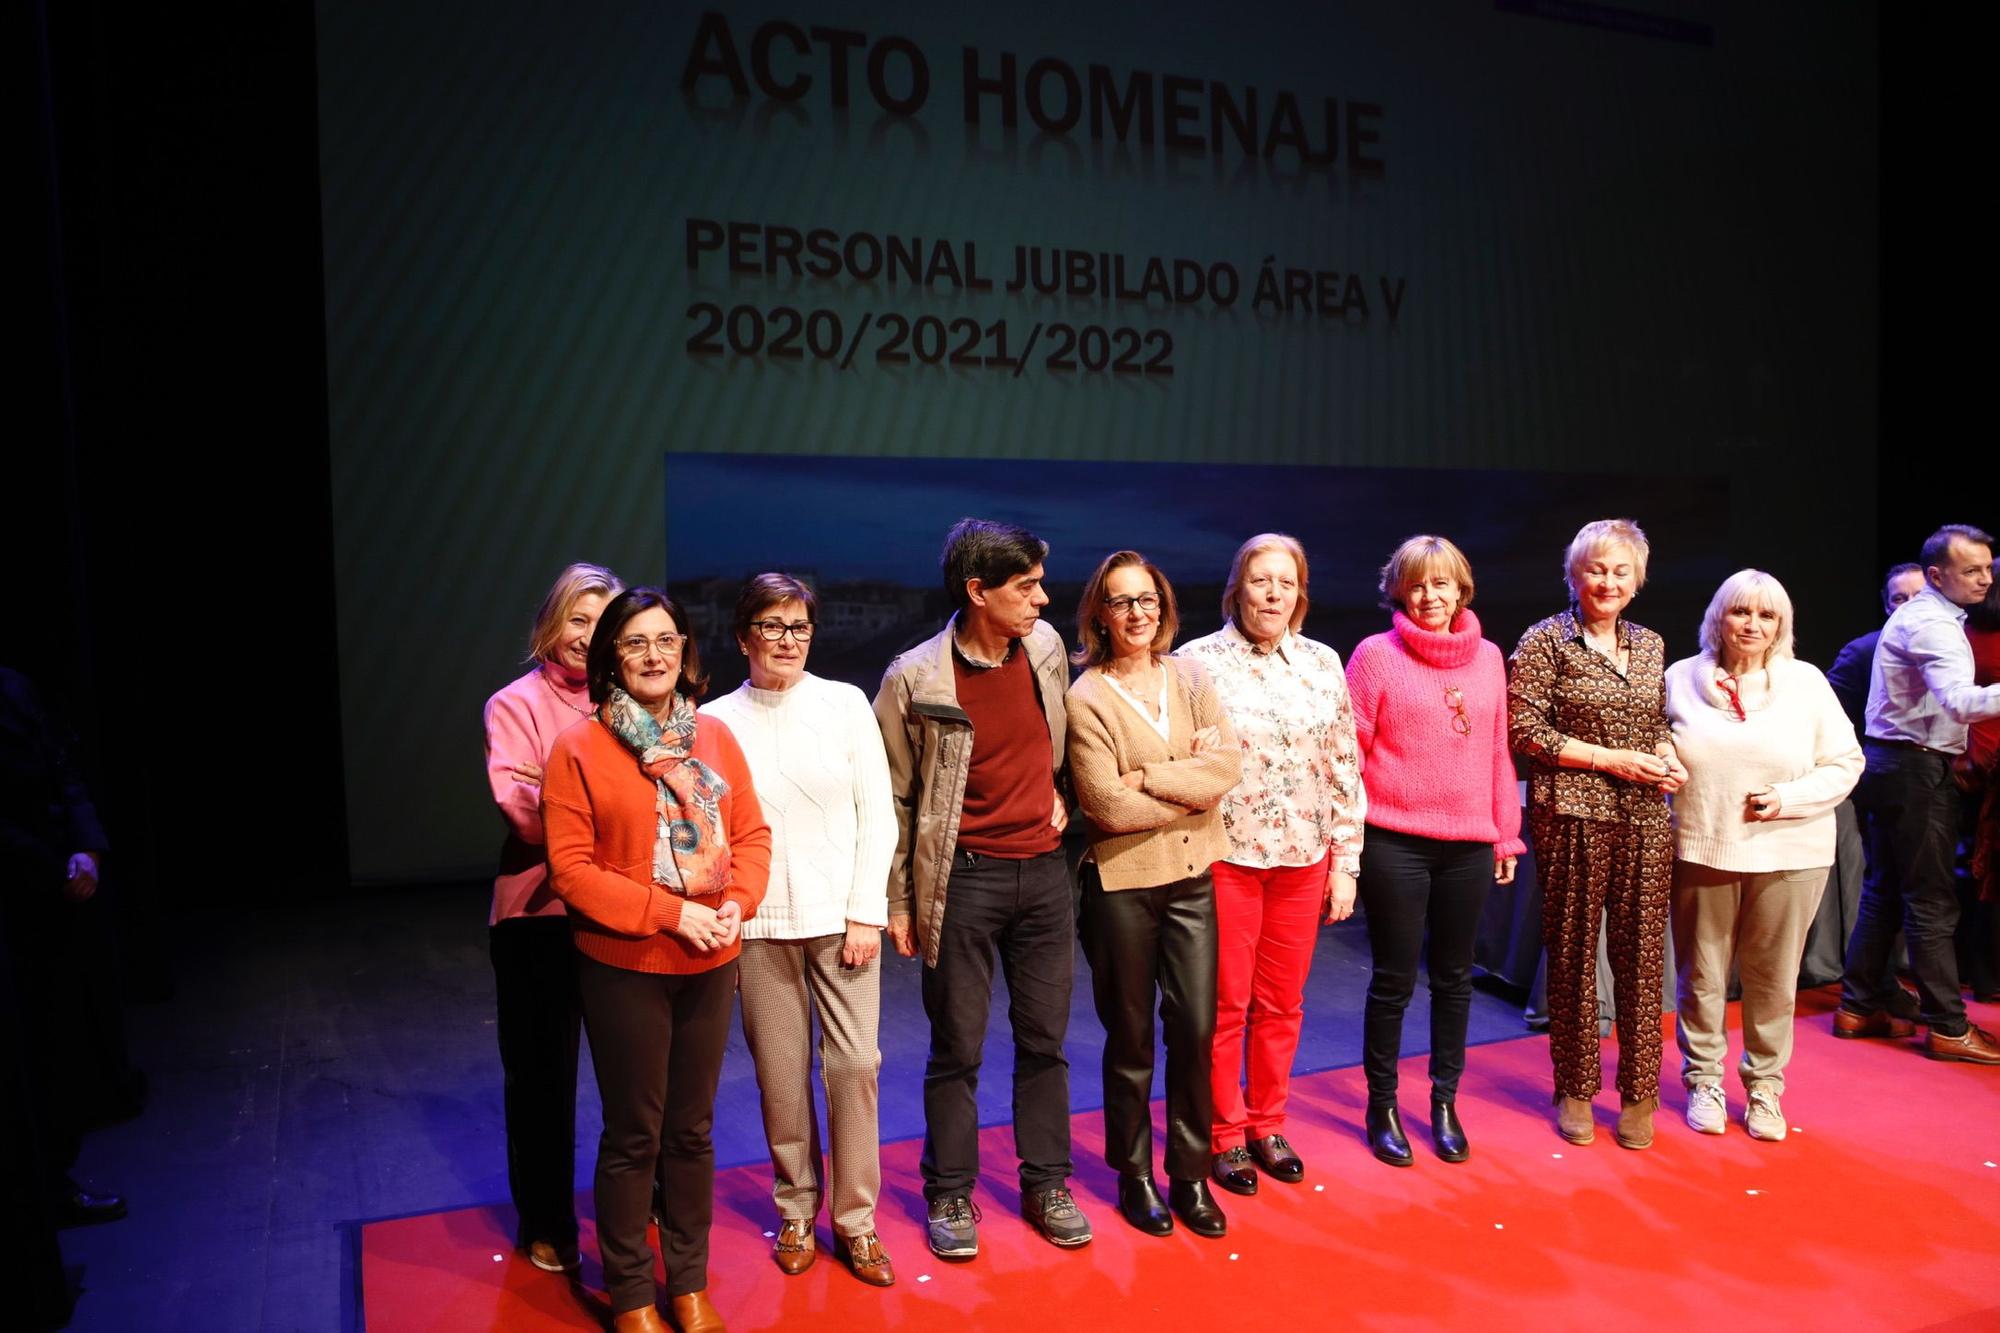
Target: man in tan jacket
[{"x": 973, "y": 723}]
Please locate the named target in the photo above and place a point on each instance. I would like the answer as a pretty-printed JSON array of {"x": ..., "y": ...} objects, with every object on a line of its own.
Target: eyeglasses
[
  {"x": 1123, "y": 606},
  {"x": 1454, "y": 699},
  {"x": 667, "y": 645},
  {"x": 773, "y": 630}
]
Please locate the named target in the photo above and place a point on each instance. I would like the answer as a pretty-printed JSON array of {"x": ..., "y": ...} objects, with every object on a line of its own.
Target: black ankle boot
[
  {"x": 1139, "y": 1202},
  {"x": 1385, "y": 1136},
  {"x": 1447, "y": 1135},
  {"x": 1194, "y": 1205}
]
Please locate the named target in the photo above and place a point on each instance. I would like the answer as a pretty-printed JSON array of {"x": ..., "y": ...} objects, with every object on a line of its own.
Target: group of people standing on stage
[{"x": 1235, "y": 794}]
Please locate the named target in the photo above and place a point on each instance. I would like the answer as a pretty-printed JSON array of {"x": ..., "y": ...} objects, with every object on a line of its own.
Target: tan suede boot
[
  {"x": 1635, "y": 1123},
  {"x": 1573, "y": 1119}
]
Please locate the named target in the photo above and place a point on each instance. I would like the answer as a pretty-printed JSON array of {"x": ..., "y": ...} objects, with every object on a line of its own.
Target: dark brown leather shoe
[
  {"x": 693, "y": 1314},
  {"x": 1232, "y": 1171},
  {"x": 794, "y": 1249},
  {"x": 1975, "y": 1047},
  {"x": 553, "y": 1258},
  {"x": 1881, "y": 1023},
  {"x": 866, "y": 1259},
  {"x": 1277, "y": 1160}
]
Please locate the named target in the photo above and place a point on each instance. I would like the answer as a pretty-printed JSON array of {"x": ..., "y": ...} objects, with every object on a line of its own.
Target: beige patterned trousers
[{"x": 783, "y": 983}]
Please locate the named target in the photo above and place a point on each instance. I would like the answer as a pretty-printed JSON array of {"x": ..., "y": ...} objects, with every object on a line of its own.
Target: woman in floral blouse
[
  {"x": 1294, "y": 829},
  {"x": 1586, "y": 703}
]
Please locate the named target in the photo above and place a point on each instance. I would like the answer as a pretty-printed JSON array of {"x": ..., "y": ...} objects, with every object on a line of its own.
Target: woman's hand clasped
[
  {"x": 709, "y": 929},
  {"x": 1762, "y": 804},
  {"x": 1503, "y": 869}
]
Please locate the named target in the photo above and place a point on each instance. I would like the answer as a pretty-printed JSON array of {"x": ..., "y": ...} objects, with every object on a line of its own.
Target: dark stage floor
[{"x": 325, "y": 1066}]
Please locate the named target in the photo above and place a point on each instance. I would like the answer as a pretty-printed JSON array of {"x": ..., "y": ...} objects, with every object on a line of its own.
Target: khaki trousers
[
  {"x": 784, "y": 981},
  {"x": 1761, "y": 921}
]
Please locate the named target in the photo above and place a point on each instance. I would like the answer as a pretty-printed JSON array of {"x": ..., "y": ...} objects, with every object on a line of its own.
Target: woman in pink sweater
[
  {"x": 1444, "y": 820},
  {"x": 534, "y": 967}
]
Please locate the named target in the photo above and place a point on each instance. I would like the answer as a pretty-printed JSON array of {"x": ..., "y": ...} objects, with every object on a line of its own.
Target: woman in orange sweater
[{"x": 657, "y": 844}]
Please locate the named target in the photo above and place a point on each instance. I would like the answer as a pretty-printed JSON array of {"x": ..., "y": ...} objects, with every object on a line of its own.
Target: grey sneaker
[
  {"x": 1763, "y": 1117},
  {"x": 1056, "y": 1216},
  {"x": 954, "y": 1227},
  {"x": 1708, "y": 1110}
]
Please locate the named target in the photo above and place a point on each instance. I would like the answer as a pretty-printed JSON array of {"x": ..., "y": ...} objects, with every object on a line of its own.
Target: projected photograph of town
[{"x": 866, "y": 534}]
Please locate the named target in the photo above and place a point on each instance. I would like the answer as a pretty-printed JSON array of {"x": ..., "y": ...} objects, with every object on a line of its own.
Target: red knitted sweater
[{"x": 597, "y": 817}]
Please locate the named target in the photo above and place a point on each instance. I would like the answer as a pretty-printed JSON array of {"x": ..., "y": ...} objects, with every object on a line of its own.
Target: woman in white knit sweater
[
  {"x": 1769, "y": 754},
  {"x": 816, "y": 758}
]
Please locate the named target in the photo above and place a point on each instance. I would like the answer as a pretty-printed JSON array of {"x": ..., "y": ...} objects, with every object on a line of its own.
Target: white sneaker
[
  {"x": 1708, "y": 1111},
  {"x": 1763, "y": 1117}
]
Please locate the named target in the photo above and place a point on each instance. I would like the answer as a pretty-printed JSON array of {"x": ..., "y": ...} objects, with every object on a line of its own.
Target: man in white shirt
[{"x": 1920, "y": 700}]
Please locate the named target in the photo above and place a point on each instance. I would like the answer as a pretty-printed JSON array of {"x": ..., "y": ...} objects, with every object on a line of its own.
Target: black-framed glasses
[
  {"x": 773, "y": 630},
  {"x": 667, "y": 645},
  {"x": 1454, "y": 699},
  {"x": 1149, "y": 602}
]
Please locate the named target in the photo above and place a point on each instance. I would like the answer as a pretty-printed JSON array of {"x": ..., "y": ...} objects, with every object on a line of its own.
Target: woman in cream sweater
[
  {"x": 1151, "y": 753},
  {"x": 1769, "y": 754}
]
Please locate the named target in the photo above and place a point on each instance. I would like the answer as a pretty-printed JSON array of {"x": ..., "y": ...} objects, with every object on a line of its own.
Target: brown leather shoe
[
  {"x": 1975, "y": 1047},
  {"x": 553, "y": 1258},
  {"x": 794, "y": 1249},
  {"x": 1573, "y": 1119},
  {"x": 693, "y": 1314},
  {"x": 645, "y": 1319},
  {"x": 865, "y": 1258},
  {"x": 1881, "y": 1023},
  {"x": 1635, "y": 1123}
]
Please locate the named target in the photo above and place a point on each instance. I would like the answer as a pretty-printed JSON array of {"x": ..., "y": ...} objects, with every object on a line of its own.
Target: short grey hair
[
  {"x": 1758, "y": 591},
  {"x": 1600, "y": 535}
]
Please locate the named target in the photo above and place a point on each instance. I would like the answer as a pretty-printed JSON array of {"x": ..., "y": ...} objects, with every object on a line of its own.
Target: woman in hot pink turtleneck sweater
[{"x": 1444, "y": 821}]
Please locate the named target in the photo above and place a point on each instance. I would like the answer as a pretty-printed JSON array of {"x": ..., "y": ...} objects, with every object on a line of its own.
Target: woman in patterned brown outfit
[{"x": 1587, "y": 706}]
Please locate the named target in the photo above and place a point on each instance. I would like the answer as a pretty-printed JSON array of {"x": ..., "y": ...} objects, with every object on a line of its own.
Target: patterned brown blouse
[{"x": 1559, "y": 689}]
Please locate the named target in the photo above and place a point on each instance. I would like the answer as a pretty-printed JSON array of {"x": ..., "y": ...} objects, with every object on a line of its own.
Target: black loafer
[
  {"x": 1277, "y": 1160},
  {"x": 1194, "y": 1205},
  {"x": 1232, "y": 1171},
  {"x": 1447, "y": 1135},
  {"x": 1386, "y": 1138},
  {"x": 1139, "y": 1202}
]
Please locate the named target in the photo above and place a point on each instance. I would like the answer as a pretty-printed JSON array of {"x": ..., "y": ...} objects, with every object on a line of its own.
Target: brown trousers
[{"x": 1594, "y": 870}]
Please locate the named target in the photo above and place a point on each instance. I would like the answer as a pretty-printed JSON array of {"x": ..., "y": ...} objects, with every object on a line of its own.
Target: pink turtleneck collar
[{"x": 1455, "y": 647}]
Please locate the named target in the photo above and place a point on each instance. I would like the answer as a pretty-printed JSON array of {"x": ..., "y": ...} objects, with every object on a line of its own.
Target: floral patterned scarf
[{"x": 690, "y": 855}]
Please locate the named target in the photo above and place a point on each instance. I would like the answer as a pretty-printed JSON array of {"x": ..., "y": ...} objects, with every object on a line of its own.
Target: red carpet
[{"x": 1878, "y": 1213}]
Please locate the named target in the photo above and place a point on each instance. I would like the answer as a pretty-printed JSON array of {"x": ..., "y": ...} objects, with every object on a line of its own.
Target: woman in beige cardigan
[{"x": 1151, "y": 753}]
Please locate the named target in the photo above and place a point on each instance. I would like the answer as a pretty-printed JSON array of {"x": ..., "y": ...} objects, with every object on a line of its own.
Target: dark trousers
[
  {"x": 1412, "y": 887},
  {"x": 656, "y": 1042},
  {"x": 1023, "y": 911},
  {"x": 1142, "y": 943},
  {"x": 1910, "y": 811},
  {"x": 534, "y": 985}
]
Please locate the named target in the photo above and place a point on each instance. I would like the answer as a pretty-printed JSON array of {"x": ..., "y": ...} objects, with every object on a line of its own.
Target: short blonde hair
[
  {"x": 1414, "y": 562},
  {"x": 579, "y": 580},
  {"x": 1256, "y": 546},
  {"x": 1758, "y": 591},
  {"x": 1599, "y": 536}
]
